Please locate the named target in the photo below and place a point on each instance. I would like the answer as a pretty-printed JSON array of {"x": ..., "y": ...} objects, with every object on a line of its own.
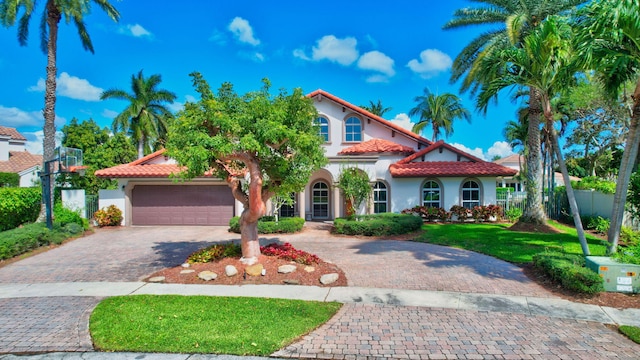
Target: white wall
[
  {"x": 4, "y": 148},
  {"x": 113, "y": 197},
  {"x": 74, "y": 200},
  {"x": 29, "y": 177}
]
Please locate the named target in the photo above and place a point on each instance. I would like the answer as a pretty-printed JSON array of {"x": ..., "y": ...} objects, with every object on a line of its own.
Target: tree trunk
[
  {"x": 249, "y": 240},
  {"x": 49, "y": 113},
  {"x": 533, "y": 211},
  {"x": 141, "y": 148},
  {"x": 624, "y": 175}
]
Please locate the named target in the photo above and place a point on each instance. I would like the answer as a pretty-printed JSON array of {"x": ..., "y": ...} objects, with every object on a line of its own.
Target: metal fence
[
  {"x": 91, "y": 205},
  {"x": 555, "y": 205}
]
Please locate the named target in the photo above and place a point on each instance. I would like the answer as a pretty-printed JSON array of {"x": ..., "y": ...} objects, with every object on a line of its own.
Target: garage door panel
[{"x": 181, "y": 205}]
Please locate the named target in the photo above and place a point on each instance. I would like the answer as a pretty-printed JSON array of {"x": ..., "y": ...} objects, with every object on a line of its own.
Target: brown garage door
[{"x": 181, "y": 205}]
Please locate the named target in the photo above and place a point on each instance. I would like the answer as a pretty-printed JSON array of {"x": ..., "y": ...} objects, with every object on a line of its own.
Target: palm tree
[
  {"x": 608, "y": 42},
  {"x": 52, "y": 13},
  {"x": 376, "y": 108},
  {"x": 515, "y": 132},
  {"x": 145, "y": 119},
  {"x": 438, "y": 111},
  {"x": 516, "y": 18},
  {"x": 544, "y": 63}
]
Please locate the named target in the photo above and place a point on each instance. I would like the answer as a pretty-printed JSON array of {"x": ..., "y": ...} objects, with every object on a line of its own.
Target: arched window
[
  {"x": 431, "y": 194},
  {"x": 470, "y": 194},
  {"x": 288, "y": 210},
  {"x": 353, "y": 130},
  {"x": 380, "y": 198},
  {"x": 320, "y": 200},
  {"x": 323, "y": 127}
]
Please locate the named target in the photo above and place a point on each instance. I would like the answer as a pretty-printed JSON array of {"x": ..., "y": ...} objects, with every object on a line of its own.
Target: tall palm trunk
[
  {"x": 533, "y": 211},
  {"x": 141, "y": 148},
  {"x": 624, "y": 175},
  {"x": 49, "y": 113}
]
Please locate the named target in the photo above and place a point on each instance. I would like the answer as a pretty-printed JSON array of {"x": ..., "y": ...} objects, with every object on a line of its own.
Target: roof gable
[
  {"x": 20, "y": 161},
  {"x": 12, "y": 133},
  {"x": 438, "y": 145}
]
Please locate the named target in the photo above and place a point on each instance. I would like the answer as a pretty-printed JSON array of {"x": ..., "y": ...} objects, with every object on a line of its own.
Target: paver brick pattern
[{"x": 372, "y": 331}]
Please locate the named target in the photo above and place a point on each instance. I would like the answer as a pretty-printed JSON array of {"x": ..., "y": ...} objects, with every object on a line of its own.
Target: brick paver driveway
[{"x": 357, "y": 331}]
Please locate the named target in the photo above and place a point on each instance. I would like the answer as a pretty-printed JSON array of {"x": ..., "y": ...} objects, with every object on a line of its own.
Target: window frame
[
  {"x": 316, "y": 122},
  {"x": 470, "y": 203},
  {"x": 376, "y": 196},
  {"x": 440, "y": 192},
  {"x": 347, "y": 133},
  {"x": 327, "y": 203}
]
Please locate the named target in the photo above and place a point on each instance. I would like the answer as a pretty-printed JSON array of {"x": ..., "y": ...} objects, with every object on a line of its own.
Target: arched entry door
[{"x": 320, "y": 200}]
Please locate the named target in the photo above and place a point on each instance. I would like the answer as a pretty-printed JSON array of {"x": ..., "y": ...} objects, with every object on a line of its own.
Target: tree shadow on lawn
[{"x": 437, "y": 257}]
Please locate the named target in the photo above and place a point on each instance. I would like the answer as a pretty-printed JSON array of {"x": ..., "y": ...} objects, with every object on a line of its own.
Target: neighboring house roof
[
  {"x": 511, "y": 159},
  {"x": 321, "y": 93},
  {"x": 12, "y": 133},
  {"x": 143, "y": 168},
  {"x": 20, "y": 161},
  {"x": 377, "y": 146},
  {"x": 471, "y": 166}
]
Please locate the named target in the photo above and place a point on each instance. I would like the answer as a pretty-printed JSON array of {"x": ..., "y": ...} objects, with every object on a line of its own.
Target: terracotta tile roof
[
  {"x": 449, "y": 169},
  {"x": 376, "y": 146},
  {"x": 370, "y": 115},
  {"x": 510, "y": 159},
  {"x": 19, "y": 161},
  {"x": 12, "y": 133},
  {"x": 142, "y": 169}
]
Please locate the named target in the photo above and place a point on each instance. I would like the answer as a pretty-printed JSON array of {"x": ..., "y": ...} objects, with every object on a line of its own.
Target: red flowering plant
[{"x": 286, "y": 251}]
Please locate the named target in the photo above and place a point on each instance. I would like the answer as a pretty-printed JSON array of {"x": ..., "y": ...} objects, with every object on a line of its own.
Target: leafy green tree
[
  {"x": 355, "y": 186},
  {"x": 544, "y": 63},
  {"x": 52, "y": 13},
  {"x": 376, "y": 108},
  {"x": 145, "y": 118},
  {"x": 439, "y": 112},
  {"x": 100, "y": 150},
  {"x": 266, "y": 142},
  {"x": 608, "y": 42},
  {"x": 516, "y": 19}
]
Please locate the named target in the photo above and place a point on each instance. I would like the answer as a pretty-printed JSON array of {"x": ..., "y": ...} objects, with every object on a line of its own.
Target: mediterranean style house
[
  {"x": 14, "y": 157},
  {"x": 404, "y": 170}
]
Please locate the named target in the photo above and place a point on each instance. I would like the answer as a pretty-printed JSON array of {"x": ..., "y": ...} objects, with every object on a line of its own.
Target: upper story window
[
  {"x": 353, "y": 130},
  {"x": 470, "y": 194},
  {"x": 323, "y": 127},
  {"x": 431, "y": 194}
]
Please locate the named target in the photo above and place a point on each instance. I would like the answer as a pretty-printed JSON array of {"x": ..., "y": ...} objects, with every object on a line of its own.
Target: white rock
[
  {"x": 286, "y": 269},
  {"x": 187, "y": 271},
  {"x": 207, "y": 275},
  {"x": 156, "y": 279},
  {"x": 186, "y": 265},
  {"x": 309, "y": 269},
  {"x": 230, "y": 270},
  {"x": 327, "y": 279}
]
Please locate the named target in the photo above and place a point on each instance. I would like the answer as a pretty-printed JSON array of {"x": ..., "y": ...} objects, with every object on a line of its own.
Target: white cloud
[
  {"x": 431, "y": 63},
  {"x": 329, "y": 47},
  {"x": 403, "y": 120},
  {"x": 71, "y": 87},
  {"x": 243, "y": 31},
  {"x": 477, "y": 152},
  {"x": 34, "y": 140},
  {"x": 377, "y": 78},
  {"x": 190, "y": 98},
  {"x": 14, "y": 117},
  {"x": 109, "y": 113},
  {"x": 135, "y": 30},
  {"x": 218, "y": 37},
  {"x": 377, "y": 61},
  {"x": 499, "y": 148}
]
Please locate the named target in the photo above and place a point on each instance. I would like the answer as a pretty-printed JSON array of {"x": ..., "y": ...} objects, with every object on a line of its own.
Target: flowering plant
[{"x": 288, "y": 252}]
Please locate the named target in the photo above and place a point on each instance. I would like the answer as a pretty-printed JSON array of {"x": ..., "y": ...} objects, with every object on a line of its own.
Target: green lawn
[
  {"x": 632, "y": 332},
  {"x": 200, "y": 324},
  {"x": 498, "y": 241}
]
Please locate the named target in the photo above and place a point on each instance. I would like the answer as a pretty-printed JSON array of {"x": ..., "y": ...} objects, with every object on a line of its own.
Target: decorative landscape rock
[
  {"x": 254, "y": 270},
  {"x": 207, "y": 275},
  {"x": 157, "y": 279},
  {"x": 286, "y": 269},
  {"x": 186, "y": 265},
  {"x": 327, "y": 279},
  {"x": 309, "y": 269},
  {"x": 291, "y": 282},
  {"x": 189, "y": 271},
  {"x": 230, "y": 270}
]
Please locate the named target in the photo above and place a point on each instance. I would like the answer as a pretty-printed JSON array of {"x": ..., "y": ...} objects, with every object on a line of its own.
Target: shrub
[
  {"x": 64, "y": 216},
  {"x": 18, "y": 206},
  {"x": 592, "y": 182},
  {"x": 485, "y": 213},
  {"x": 73, "y": 228},
  {"x": 569, "y": 271},
  {"x": 9, "y": 179},
  {"x": 215, "y": 252},
  {"x": 460, "y": 211},
  {"x": 378, "y": 224},
  {"x": 110, "y": 216},
  {"x": 286, "y": 251},
  {"x": 628, "y": 255},
  {"x": 268, "y": 225},
  {"x": 595, "y": 223},
  {"x": 513, "y": 214},
  {"x": 629, "y": 237}
]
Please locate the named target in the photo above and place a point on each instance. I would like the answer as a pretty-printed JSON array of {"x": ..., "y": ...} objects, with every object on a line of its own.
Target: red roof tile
[
  {"x": 368, "y": 114},
  {"x": 12, "y": 133},
  {"x": 19, "y": 161},
  {"x": 449, "y": 169},
  {"x": 141, "y": 169},
  {"x": 376, "y": 146}
]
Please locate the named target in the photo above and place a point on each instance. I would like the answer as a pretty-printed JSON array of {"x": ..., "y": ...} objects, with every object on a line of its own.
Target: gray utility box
[{"x": 617, "y": 277}]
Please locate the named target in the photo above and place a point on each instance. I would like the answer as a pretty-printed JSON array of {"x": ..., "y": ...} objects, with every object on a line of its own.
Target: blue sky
[{"x": 360, "y": 52}]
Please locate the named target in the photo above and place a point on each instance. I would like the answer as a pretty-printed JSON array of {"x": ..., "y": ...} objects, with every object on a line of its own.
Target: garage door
[{"x": 181, "y": 205}]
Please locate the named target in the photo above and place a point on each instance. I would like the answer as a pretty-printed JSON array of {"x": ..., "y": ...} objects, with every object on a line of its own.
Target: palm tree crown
[
  {"x": 376, "y": 108},
  {"x": 145, "y": 118},
  {"x": 439, "y": 111}
]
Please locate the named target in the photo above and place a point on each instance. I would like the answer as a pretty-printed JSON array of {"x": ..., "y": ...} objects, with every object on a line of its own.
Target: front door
[{"x": 320, "y": 200}]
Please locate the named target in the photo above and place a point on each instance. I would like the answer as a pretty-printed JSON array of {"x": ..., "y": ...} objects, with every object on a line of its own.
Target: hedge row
[
  {"x": 9, "y": 179},
  {"x": 268, "y": 225},
  {"x": 32, "y": 236},
  {"x": 570, "y": 271},
  {"x": 18, "y": 206},
  {"x": 378, "y": 224}
]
